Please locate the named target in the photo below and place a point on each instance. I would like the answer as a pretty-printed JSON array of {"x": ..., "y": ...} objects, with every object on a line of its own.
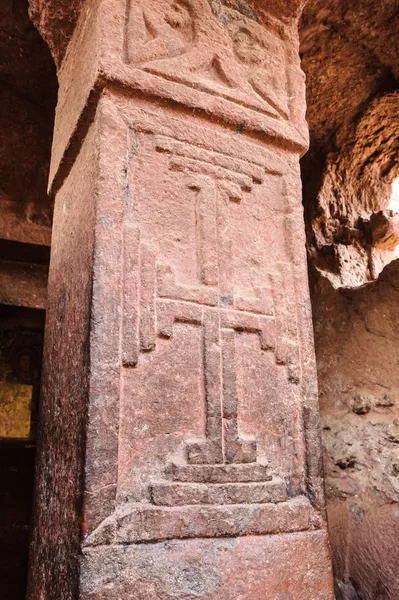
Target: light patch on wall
[
  {"x": 15, "y": 411},
  {"x": 394, "y": 200},
  {"x": 394, "y": 206}
]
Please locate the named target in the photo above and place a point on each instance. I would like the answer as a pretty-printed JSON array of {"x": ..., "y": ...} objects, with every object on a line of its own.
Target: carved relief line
[
  {"x": 211, "y": 245},
  {"x": 139, "y": 278},
  {"x": 146, "y": 523},
  {"x": 223, "y": 443},
  {"x": 140, "y": 267},
  {"x": 131, "y": 295},
  {"x": 206, "y": 292},
  {"x": 195, "y": 166},
  {"x": 236, "y": 449},
  {"x": 232, "y": 179},
  {"x": 142, "y": 310},
  {"x": 287, "y": 349},
  {"x": 206, "y": 226},
  {"x": 240, "y": 98},
  {"x": 261, "y": 305},
  {"x": 211, "y": 450},
  {"x": 173, "y": 146},
  {"x": 211, "y": 273},
  {"x": 168, "y": 288}
]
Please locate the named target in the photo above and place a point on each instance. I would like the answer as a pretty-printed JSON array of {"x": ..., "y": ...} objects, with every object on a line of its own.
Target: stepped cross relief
[
  {"x": 154, "y": 300},
  {"x": 210, "y": 48}
]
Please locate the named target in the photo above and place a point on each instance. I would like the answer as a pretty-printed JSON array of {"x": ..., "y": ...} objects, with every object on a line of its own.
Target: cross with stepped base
[{"x": 222, "y": 468}]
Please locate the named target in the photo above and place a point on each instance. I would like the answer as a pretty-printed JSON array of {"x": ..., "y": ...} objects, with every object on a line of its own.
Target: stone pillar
[{"x": 180, "y": 453}]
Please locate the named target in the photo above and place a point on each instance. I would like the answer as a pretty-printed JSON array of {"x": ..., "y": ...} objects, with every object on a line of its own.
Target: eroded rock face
[
  {"x": 357, "y": 339},
  {"x": 28, "y": 90},
  {"x": 350, "y": 59},
  {"x": 56, "y": 21}
]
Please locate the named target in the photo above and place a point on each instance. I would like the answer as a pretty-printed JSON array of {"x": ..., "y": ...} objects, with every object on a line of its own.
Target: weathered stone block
[
  {"x": 176, "y": 494},
  {"x": 219, "y": 473},
  {"x": 247, "y": 568}
]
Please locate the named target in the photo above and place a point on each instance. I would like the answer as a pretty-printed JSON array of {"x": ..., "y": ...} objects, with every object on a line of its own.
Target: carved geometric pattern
[
  {"x": 154, "y": 301},
  {"x": 211, "y": 48}
]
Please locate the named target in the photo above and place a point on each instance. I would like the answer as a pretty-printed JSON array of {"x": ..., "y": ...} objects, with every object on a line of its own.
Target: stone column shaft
[{"x": 179, "y": 410}]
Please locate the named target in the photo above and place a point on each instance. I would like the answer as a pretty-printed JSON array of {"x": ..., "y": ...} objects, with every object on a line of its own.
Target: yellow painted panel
[{"x": 15, "y": 410}]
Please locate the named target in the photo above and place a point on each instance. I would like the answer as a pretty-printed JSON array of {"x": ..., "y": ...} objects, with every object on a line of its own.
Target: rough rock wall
[
  {"x": 28, "y": 92},
  {"x": 357, "y": 338},
  {"x": 351, "y": 60}
]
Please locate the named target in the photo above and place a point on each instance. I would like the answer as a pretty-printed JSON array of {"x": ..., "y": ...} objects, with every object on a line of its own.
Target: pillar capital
[
  {"x": 233, "y": 66},
  {"x": 57, "y": 19}
]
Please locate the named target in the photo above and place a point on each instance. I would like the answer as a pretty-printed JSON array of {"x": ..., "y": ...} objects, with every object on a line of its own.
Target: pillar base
[{"x": 247, "y": 568}]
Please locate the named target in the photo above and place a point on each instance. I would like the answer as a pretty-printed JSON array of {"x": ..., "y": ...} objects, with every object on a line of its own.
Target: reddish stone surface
[
  {"x": 233, "y": 569},
  {"x": 23, "y": 274},
  {"x": 350, "y": 58},
  {"x": 63, "y": 410},
  {"x": 57, "y": 19},
  {"x": 357, "y": 337},
  {"x": 216, "y": 62},
  {"x": 385, "y": 230},
  {"x": 179, "y": 343},
  {"x": 23, "y": 284},
  {"x": 350, "y": 54},
  {"x": 27, "y": 102}
]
